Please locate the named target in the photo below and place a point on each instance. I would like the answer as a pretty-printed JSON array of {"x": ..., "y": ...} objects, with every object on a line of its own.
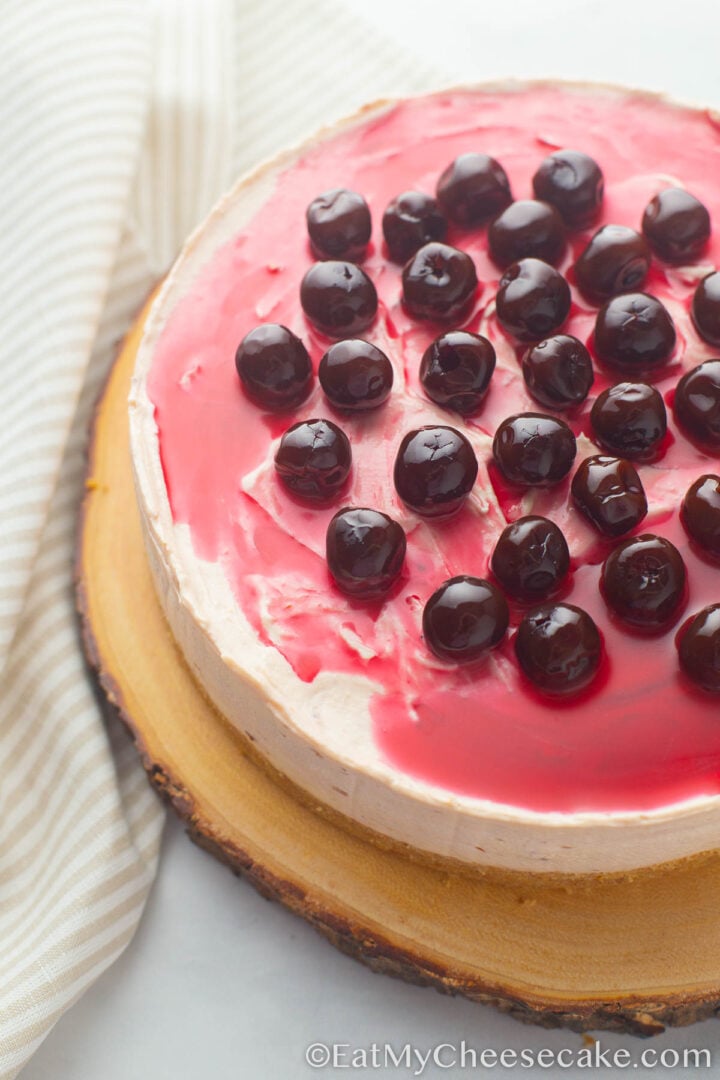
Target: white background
[{"x": 218, "y": 984}]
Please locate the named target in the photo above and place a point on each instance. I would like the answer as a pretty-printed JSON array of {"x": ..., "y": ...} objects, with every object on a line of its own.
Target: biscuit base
[{"x": 629, "y": 953}]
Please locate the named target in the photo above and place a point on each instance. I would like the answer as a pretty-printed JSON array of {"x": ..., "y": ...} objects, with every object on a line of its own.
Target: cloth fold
[{"x": 122, "y": 123}]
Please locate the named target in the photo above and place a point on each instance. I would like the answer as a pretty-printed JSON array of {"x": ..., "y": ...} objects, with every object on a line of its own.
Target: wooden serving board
[{"x": 626, "y": 954}]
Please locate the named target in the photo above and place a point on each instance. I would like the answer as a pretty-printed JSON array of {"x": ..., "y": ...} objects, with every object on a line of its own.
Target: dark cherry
[
  {"x": 410, "y": 221},
  {"x": 676, "y": 225},
  {"x": 338, "y": 298},
  {"x": 629, "y": 420},
  {"x": 534, "y": 450},
  {"x": 609, "y": 492},
  {"x": 527, "y": 228},
  {"x": 643, "y": 582},
  {"x": 473, "y": 188},
  {"x": 616, "y": 260},
  {"x": 700, "y": 513},
  {"x": 313, "y": 460},
  {"x": 559, "y": 648},
  {"x": 274, "y": 367},
  {"x": 634, "y": 332},
  {"x": 456, "y": 369},
  {"x": 339, "y": 225},
  {"x": 355, "y": 375},
  {"x": 706, "y": 308},
  {"x": 464, "y": 618},
  {"x": 697, "y": 403},
  {"x": 435, "y": 470},
  {"x": 531, "y": 558},
  {"x": 365, "y": 551},
  {"x": 533, "y": 300},
  {"x": 558, "y": 372},
  {"x": 573, "y": 183},
  {"x": 439, "y": 282},
  {"x": 699, "y": 648}
]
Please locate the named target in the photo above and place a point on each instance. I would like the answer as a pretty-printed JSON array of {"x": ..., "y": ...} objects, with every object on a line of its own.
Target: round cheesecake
[{"x": 486, "y": 763}]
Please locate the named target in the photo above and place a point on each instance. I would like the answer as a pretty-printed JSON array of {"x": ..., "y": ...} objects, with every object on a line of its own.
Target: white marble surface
[{"x": 218, "y": 984}]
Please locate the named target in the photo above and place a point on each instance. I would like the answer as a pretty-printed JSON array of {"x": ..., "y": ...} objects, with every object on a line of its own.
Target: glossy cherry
[
  {"x": 534, "y": 450},
  {"x": 559, "y": 648},
  {"x": 527, "y": 228},
  {"x": 700, "y": 513},
  {"x": 609, "y": 492},
  {"x": 464, "y": 618},
  {"x": 472, "y": 189},
  {"x": 533, "y": 300},
  {"x": 435, "y": 470},
  {"x": 313, "y": 460},
  {"x": 338, "y": 298},
  {"x": 274, "y": 367},
  {"x": 676, "y": 225},
  {"x": 616, "y": 260},
  {"x": 643, "y": 582},
  {"x": 573, "y": 183},
  {"x": 697, "y": 404},
  {"x": 699, "y": 648},
  {"x": 365, "y": 551},
  {"x": 629, "y": 419},
  {"x": 410, "y": 221},
  {"x": 339, "y": 225},
  {"x": 439, "y": 282},
  {"x": 355, "y": 375},
  {"x": 558, "y": 372},
  {"x": 531, "y": 558},
  {"x": 456, "y": 369},
  {"x": 634, "y": 332}
]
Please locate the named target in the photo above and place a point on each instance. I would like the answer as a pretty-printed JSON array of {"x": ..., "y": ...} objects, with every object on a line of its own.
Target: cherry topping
[
  {"x": 464, "y": 618},
  {"x": 533, "y": 300},
  {"x": 559, "y": 648},
  {"x": 573, "y": 183},
  {"x": 531, "y": 558},
  {"x": 455, "y": 370},
  {"x": 313, "y": 459},
  {"x": 609, "y": 492},
  {"x": 435, "y": 470},
  {"x": 699, "y": 648},
  {"x": 643, "y": 581},
  {"x": 527, "y": 228},
  {"x": 534, "y": 450},
  {"x": 355, "y": 375},
  {"x": 411, "y": 220},
  {"x": 676, "y": 225},
  {"x": 634, "y": 332},
  {"x": 439, "y": 282},
  {"x": 473, "y": 188},
  {"x": 339, "y": 225},
  {"x": 629, "y": 420},
  {"x": 697, "y": 403},
  {"x": 274, "y": 367},
  {"x": 616, "y": 260},
  {"x": 706, "y": 308},
  {"x": 700, "y": 513},
  {"x": 339, "y": 298},
  {"x": 365, "y": 551},
  {"x": 558, "y": 372}
]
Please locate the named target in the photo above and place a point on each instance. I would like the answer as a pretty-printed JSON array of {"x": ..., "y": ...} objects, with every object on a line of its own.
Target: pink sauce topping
[{"x": 640, "y": 737}]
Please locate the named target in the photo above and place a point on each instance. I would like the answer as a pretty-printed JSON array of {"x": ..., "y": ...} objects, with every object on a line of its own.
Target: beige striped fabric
[{"x": 122, "y": 122}]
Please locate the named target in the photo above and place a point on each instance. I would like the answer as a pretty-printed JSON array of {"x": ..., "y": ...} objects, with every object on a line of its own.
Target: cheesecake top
[{"x": 640, "y": 735}]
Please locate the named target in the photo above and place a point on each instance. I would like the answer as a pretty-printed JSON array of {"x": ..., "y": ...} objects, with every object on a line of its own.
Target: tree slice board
[{"x": 632, "y": 953}]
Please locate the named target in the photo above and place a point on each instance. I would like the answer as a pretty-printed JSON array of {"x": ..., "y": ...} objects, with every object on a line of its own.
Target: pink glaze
[{"x": 640, "y": 737}]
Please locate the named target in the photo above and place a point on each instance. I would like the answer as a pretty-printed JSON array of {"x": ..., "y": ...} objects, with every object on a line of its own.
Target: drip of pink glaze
[{"x": 640, "y": 737}]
